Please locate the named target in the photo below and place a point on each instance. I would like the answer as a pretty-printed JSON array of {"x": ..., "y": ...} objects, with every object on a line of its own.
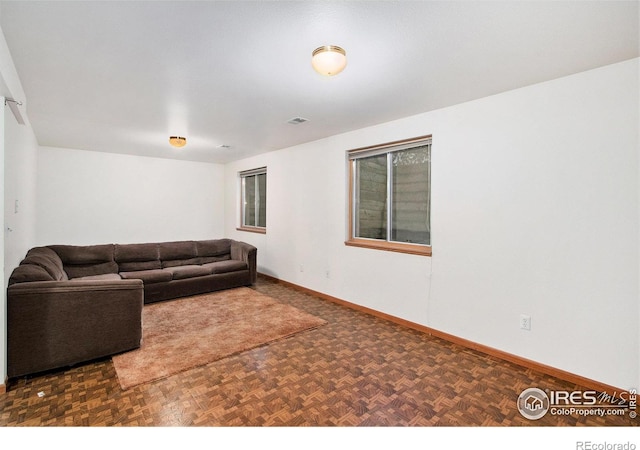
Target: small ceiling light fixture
[
  {"x": 178, "y": 141},
  {"x": 329, "y": 60},
  {"x": 297, "y": 120}
]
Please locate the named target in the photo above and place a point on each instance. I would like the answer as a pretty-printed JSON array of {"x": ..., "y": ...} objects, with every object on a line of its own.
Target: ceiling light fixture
[
  {"x": 178, "y": 141},
  {"x": 297, "y": 120},
  {"x": 329, "y": 60}
]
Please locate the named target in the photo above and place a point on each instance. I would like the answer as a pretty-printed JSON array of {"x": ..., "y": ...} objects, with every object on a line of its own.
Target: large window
[
  {"x": 390, "y": 196},
  {"x": 253, "y": 205}
]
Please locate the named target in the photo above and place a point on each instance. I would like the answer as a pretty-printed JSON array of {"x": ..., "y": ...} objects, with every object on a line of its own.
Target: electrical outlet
[
  {"x": 525, "y": 322},
  {"x": 301, "y": 267}
]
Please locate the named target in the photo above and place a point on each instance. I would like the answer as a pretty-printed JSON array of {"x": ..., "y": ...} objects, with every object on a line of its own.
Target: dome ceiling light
[
  {"x": 178, "y": 141},
  {"x": 329, "y": 60}
]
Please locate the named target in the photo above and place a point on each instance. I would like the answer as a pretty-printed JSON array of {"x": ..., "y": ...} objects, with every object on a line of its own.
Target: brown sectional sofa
[{"x": 69, "y": 304}]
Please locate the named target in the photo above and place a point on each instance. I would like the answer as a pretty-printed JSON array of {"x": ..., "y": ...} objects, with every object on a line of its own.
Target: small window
[
  {"x": 253, "y": 204},
  {"x": 390, "y": 196}
]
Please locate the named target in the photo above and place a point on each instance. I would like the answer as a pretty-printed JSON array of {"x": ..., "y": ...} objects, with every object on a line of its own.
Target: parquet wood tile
[{"x": 358, "y": 370}]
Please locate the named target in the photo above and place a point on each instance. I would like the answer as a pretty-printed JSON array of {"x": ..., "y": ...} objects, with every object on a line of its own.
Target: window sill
[
  {"x": 253, "y": 229},
  {"x": 413, "y": 249}
]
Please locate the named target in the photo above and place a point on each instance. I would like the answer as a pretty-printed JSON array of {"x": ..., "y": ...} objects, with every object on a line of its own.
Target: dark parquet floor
[{"x": 358, "y": 370}]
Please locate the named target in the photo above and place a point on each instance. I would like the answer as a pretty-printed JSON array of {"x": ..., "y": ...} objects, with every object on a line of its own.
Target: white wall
[
  {"x": 21, "y": 150},
  {"x": 93, "y": 198},
  {"x": 18, "y": 150},
  {"x": 19, "y": 183},
  {"x": 535, "y": 211},
  {"x": 3, "y": 299}
]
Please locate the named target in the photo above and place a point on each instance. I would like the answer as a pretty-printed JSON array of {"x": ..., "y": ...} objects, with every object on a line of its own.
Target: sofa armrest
[
  {"x": 52, "y": 324},
  {"x": 48, "y": 287},
  {"x": 242, "y": 251}
]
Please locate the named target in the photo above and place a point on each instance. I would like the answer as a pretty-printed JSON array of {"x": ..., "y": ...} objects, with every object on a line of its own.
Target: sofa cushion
[
  {"x": 180, "y": 262},
  {"x": 213, "y": 250},
  {"x": 29, "y": 272},
  {"x": 231, "y": 265},
  {"x": 177, "y": 250},
  {"x": 45, "y": 251},
  {"x": 190, "y": 271},
  {"x": 86, "y": 270},
  {"x": 45, "y": 263},
  {"x": 135, "y": 266},
  {"x": 135, "y": 257},
  {"x": 84, "y": 254},
  {"x": 147, "y": 276},
  {"x": 53, "y": 264},
  {"x": 88, "y": 260},
  {"x": 213, "y": 247},
  {"x": 212, "y": 259},
  {"x": 136, "y": 252},
  {"x": 103, "y": 277},
  {"x": 48, "y": 260}
]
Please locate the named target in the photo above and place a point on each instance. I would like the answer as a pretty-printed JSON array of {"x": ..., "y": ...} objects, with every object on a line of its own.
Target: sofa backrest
[
  {"x": 86, "y": 260},
  {"x": 213, "y": 250},
  {"x": 62, "y": 262},
  {"x": 40, "y": 264},
  {"x": 178, "y": 253},
  {"x": 135, "y": 257}
]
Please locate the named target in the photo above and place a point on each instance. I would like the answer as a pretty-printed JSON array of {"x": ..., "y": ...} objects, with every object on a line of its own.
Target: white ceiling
[{"x": 123, "y": 76}]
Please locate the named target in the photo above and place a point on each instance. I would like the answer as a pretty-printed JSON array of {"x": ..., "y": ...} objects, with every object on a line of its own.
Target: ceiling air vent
[{"x": 297, "y": 120}]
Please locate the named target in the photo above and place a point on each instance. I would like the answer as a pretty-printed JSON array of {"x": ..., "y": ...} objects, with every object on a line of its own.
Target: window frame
[
  {"x": 242, "y": 176},
  {"x": 379, "y": 244}
]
